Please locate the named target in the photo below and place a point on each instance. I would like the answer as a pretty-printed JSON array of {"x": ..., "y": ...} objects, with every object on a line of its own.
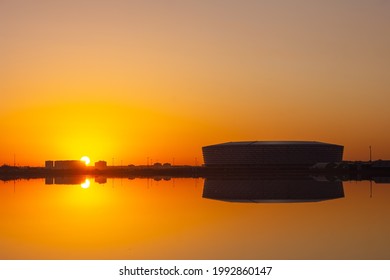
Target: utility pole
[
  {"x": 370, "y": 154},
  {"x": 370, "y": 189}
]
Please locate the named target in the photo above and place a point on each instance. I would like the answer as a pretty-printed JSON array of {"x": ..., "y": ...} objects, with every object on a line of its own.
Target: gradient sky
[{"x": 127, "y": 80}]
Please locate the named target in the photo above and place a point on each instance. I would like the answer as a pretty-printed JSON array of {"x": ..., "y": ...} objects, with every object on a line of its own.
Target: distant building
[
  {"x": 101, "y": 164},
  {"x": 69, "y": 164},
  {"x": 261, "y": 153},
  {"x": 49, "y": 164}
]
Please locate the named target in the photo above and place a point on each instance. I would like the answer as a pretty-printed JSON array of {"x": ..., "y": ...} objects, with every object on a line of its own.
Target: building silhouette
[
  {"x": 261, "y": 153},
  {"x": 64, "y": 164},
  {"x": 101, "y": 164}
]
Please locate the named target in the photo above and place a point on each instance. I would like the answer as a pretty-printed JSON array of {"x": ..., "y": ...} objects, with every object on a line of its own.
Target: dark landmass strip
[{"x": 357, "y": 170}]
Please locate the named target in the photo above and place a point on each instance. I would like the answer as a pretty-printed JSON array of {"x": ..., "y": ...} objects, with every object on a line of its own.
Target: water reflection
[
  {"x": 86, "y": 184},
  {"x": 65, "y": 180},
  {"x": 100, "y": 180},
  {"x": 272, "y": 190},
  {"x": 250, "y": 189},
  {"x": 144, "y": 218},
  {"x": 83, "y": 181},
  {"x": 254, "y": 189}
]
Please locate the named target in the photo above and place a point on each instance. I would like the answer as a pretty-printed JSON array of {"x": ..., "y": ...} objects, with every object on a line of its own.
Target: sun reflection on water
[{"x": 86, "y": 184}]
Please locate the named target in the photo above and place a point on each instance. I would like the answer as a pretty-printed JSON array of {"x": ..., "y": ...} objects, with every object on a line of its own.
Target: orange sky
[{"x": 127, "y": 80}]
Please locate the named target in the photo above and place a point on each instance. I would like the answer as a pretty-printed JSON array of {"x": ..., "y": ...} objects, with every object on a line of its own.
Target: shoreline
[{"x": 348, "y": 170}]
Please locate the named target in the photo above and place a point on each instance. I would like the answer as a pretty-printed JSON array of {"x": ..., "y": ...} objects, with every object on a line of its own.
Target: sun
[{"x": 86, "y": 160}]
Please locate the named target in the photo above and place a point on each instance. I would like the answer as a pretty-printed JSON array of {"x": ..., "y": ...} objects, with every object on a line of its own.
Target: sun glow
[{"x": 86, "y": 160}]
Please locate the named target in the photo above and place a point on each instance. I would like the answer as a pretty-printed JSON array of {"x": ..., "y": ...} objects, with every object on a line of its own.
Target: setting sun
[{"x": 86, "y": 160}]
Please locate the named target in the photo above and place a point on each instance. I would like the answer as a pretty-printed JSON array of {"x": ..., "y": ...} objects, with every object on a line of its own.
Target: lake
[{"x": 121, "y": 218}]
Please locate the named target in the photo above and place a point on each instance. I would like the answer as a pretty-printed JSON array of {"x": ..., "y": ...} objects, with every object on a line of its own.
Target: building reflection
[
  {"x": 279, "y": 190},
  {"x": 73, "y": 180},
  {"x": 65, "y": 180},
  {"x": 101, "y": 180}
]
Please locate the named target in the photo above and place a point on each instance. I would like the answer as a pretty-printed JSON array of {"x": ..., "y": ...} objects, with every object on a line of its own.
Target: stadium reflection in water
[{"x": 272, "y": 190}]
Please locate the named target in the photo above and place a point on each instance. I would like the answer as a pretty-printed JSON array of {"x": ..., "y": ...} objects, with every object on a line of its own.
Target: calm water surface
[{"x": 192, "y": 219}]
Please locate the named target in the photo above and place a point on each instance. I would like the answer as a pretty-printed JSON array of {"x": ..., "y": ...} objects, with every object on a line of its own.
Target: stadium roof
[{"x": 247, "y": 143}]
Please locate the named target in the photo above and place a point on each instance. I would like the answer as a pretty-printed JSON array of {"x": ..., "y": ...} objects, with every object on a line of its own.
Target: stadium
[{"x": 271, "y": 153}]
